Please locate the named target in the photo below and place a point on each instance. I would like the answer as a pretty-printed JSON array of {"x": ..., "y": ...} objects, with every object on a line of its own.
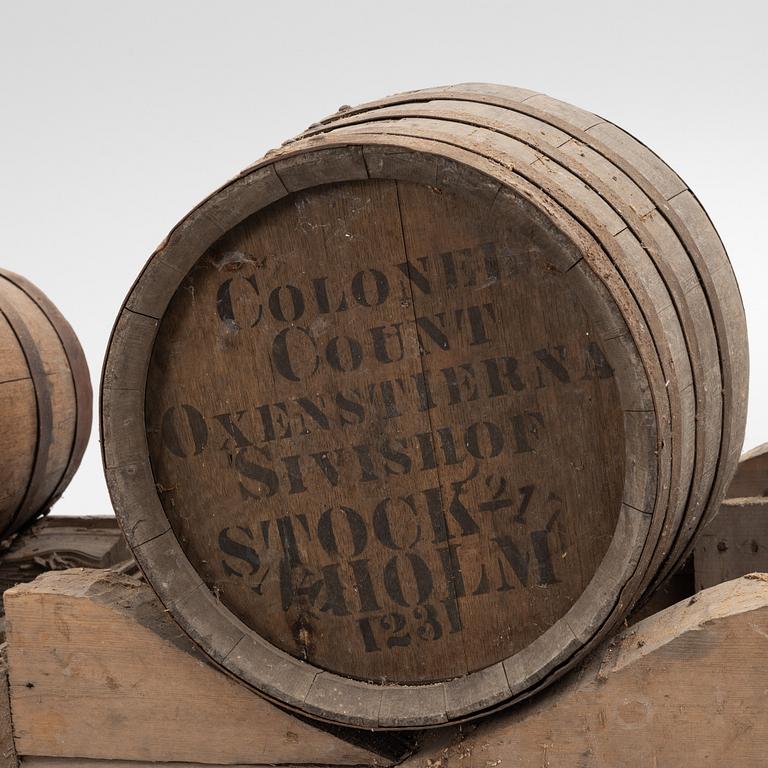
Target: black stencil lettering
[
  {"x": 515, "y": 559},
  {"x": 484, "y": 449},
  {"x": 334, "y": 592},
  {"x": 296, "y": 585},
  {"x": 432, "y": 331},
  {"x": 552, "y": 364},
  {"x": 526, "y": 492},
  {"x": 455, "y": 384},
  {"x": 597, "y": 366},
  {"x": 368, "y": 472},
  {"x": 448, "y": 444},
  {"x": 382, "y": 336},
  {"x": 349, "y": 406},
  {"x": 312, "y": 410},
  {"x": 230, "y": 423},
  {"x": 281, "y": 358},
  {"x": 366, "y": 631},
  {"x": 364, "y": 586},
  {"x": 421, "y": 381},
  {"x": 266, "y": 476},
  {"x": 225, "y": 308},
  {"x": 358, "y": 532},
  {"x": 344, "y": 354},
  {"x": 422, "y": 578},
  {"x": 359, "y": 288},
  {"x": 449, "y": 559},
  {"x": 414, "y": 276},
  {"x": 319, "y": 284},
  {"x": 242, "y": 552},
  {"x": 496, "y": 367},
  {"x": 330, "y": 471},
  {"x": 431, "y": 629},
  {"x": 382, "y": 527},
  {"x": 526, "y": 429},
  {"x": 288, "y": 540},
  {"x": 540, "y": 542},
  {"x": 387, "y": 390},
  {"x": 477, "y": 328},
  {"x": 295, "y": 477},
  {"x": 197, "y": 426},
  {"x": 397, "y": 462},
  {"x": 427, "y": 450},
  {"x": 395, "y": 624},
  {"x": 276, "y": 304}
]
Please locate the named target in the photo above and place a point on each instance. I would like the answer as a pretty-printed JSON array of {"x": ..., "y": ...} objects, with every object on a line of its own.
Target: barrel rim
[
  {"x": 728, "y": 319},
  {"x": 178, "y": 585}
]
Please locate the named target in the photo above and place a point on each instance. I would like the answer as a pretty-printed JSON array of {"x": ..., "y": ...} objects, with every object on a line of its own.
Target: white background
[{"x": 117, "y": 118}]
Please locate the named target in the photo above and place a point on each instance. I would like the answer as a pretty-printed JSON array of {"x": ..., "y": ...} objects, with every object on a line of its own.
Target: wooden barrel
[
  {"x": 402, "y": 421},
  {"x": 45, "y": 403}
]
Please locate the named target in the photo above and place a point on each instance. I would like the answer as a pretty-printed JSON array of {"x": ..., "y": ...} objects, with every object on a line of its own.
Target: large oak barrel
[
  {"x": 403, "y": 420},
  {"x": 45, "y": 403}
]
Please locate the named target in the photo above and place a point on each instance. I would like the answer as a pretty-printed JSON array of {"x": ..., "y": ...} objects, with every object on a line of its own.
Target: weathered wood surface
[
  {"x": 57, "y": 543},
  {"x": 680, "y": 586},
  {"x": 355, "y": 485},
  {"x": 734, "y": 543},
  {"x": 433, "y": 394},
  {"x": 69, "y": 762},
  {"x": 8, "y": 757},
  {"x": 684, "y": 688},
  {"x": 99, "y": 671},
  {"x": 751, "y": 478},
  {"x": 45, "y": 403}
]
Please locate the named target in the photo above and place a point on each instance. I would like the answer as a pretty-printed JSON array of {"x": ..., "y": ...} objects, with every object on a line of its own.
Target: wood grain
[
  {"x": 751, "y": 478},
  {"x": 45, "y": 394},
  {"x": 294, "y": 283},
  {"x": 675, "y": 204},
  {"x": 8, "y": 756},
  {"x": 734, "y": 543},
  {"x": 684, "y": 687},
  {"x": 406, "y": 471},
  {"x": 99, "y": 671}
]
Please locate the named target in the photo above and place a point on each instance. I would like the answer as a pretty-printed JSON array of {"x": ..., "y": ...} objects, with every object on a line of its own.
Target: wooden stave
[
  {"x": 723, "y": 295},
  {"x": 708, "y": 368},
  {"x": 728, "y": 312},
  {"x": 110, "y": 379},
  {"x": 649, "y": 245},
  {"x": 681, "y": 500},
  {"x": 80, "y": 375},
  {"x": 45, "y": 485}
]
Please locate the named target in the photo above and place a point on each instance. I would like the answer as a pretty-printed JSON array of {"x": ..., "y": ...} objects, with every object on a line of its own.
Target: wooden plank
[
  {"x": 683, "y": 688},
  {"x": 8, "y": 757},
  {"x": 734, "y": 543},
  {"x": 77, "y": 762},
  {"x": 751, "y": 478},
  {"x": 99, "y": 671},
  {"x": 58, "y": 543}
]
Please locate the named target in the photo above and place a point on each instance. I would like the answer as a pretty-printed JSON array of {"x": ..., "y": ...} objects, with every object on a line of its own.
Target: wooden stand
[{"x": 99, "y": 673}]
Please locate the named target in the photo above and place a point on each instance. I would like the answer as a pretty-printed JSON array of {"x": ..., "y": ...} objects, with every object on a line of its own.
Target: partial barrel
[
  {"x": 400, "y": 422},
  {"x": 45, "y": 403}
]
